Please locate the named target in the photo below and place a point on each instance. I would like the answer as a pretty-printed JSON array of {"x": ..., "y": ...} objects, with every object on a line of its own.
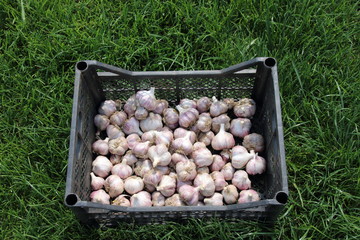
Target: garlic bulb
[
  {"x": 205, "y": 183},
  {"x": 129, "y": 158},
  {"x": 230, "y": 194},
  {"x": 167, "y": 185},
  {"x": 132, "y": 140},
  {"x": 141, "y": 199},
  {"x": 115, "y": 159},
  {"x": 248, "y": 196},
  {"x": 202, "y": 157},
  {"x": 100, "y": 196},
  {"x": 96, "y": 182},
  {"x": 241, "y": 180},
  {"x": 158, "y": 200},
  {"x": 240, "y": 156},
  {"x": 149, "y": 188},
  {"x": 153, "y": 177},
  {"x": 217, "y": 121},
  {"x": 189, "y": 194},
  {"x": 161, "y": 105},
  {"x": 130, "y": 106},
  {"x": 141, "y": 149},
  {"x": 187, "y": 103},
  {"x": 159, "y": 155},
  {"x": 113, "y": 132},
  {"x": 118, "y": 118},
  {"x": 107, "y": 108},
  {"x": 114, "y": 185},
  {"x": 206, "y": 138},
  {"x": 133, "y": 185},
  {"x": 230, "y": 102},
  {"x": 101, "y": 166},
  {"x": 198, "y": 145},
  {"x": 174, "y": 201},
  {"x": 214, "y": 200},
  {"x": 149, "y": 136},
  {"x": 180, "y": 183},
  {"x": 204, "y": 122},
  {"x": 219, "y": 180},
  {"x": 147, "y": 99},
  {"x": 203, "y": 104},
  {"x": 121, "y": 200},
  {"x": 245, "y": 108},
  {"x": 223, "y": 140},
  {"x": 171, "y": 118},
  {"x": 101, "y": 146},
  {"x": 163, "y": 137},
  {"x": 101, "y": 122},
  {"x": 182, "y": 145},
  {"x": 118, "y": 146},
  {"x": 165, "y": 170},
  {"x": 254, "y": 142},
  {"x": 186, "y": 170},
  {"x": 225, "y": 154},
  {"x": 217, "y": 107},
  {"x": 141, "y": 113},
  {"x": 122, "y": 170},
  {"x": 256, "y": 165},
  {"x": 142, "y": 167},
  {"x": 228, "y": 170},
  {"x": 153, "y": 122},
  {"x": 177, "y": 157},
  {"x": 187, "y": 116},
  {"x": 181, "y": 132},
  {"x": 240, "y": 127},
  {"x": 132, "y": 125},
  {"x": 218, "y": 163},
  {"x": 203, "y": 170}
]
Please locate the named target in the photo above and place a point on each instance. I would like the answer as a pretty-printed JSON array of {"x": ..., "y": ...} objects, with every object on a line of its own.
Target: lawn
[{"x": 316, "y": 44}]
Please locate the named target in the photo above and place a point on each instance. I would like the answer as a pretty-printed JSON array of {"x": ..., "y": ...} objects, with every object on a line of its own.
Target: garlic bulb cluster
[{"x": 151, "y": 154}]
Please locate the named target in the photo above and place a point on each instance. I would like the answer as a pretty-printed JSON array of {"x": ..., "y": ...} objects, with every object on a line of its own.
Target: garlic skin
[
  {"x": 230, "y": 102},
  {"x": 217, "y": 121},
  {"x": 153, "y": 122},
  {"x": 130, "y": 106},
  {"x": 165, "y": 170},
  {"x": 158, "y": 200},
  {"x": 218, "y": 163},
  {"x": 122, "y": 170},
  {"x": 228, "y": 171},
  {"x": 132, "y": 125},
  {"x": 182, "y": 145},
  {"x": 153, "y": 177},
  {"x": 121, "y": 200},
  {"x": 214, "y": 200},
  {"x": 118, "y": 118},
  {"x": 132, "y": 140},
  {"x": 101, "y": 122},
  {"x": 171, "y": 118},
  {"x": 101, "y": 146},
  {"x": 118, "y": 146},
  {"x": 149, "y": 136},
  {"x": 141, "y": 113},
  {"x": 206, "y": 138},
  {"x": 186, "y": 170},
  {"x": 167, "y": 185},
  {"x": 203, "y": 170},
  {"x": 187, "y": 103},
  {"x": 241, "y": 180},
  {"x": 223, "y": 140},
  {"x": 114, "y": 185},
  {"x": 240, "y": 156},
  {"x": 181, "y": 132},
  {"x": 230, "y": 194},
  {"x": 248, "y": 196},
  {"x": 217, "y": 107},
  {"x": 204, "y": 122},
  {"x": 256, "y": 165},
  {"x": 96, "y": 182},
  {"x": 159, "y": 155},
  {"x": 240, "y": 127},
  {"x": 141, "y": 199},
  {"x": 254, "y": 142},
  {"x": 161, "y": 105},
  {"x": 225, "y": 154},
  {"x": 164, "y": 137},
  {"x": 189, "y": 194},
  {"x": 174, "y": 201},
  {"x": 147, "y": 99},
  {"x": 177, "y": 157},
  {"x": 100, "y": 196},
  {"x": 245, "y": 108},
  {"x": 202, "y": 157},
  {"x": 129, "y": 158},
  {"x": 141, "y": 149},
  {"x": 101, "y": 166},
  {"x": 107, "y": 108},
  {"x": 198, "y": 145},
  {"x": 115, "y": 159},
  {"x": 205, "y": 183},
  {"x": 187, "y": 116},
  {"x": 114, "y": 132},
  {"x": 219, "y": 180},
  {"x": 133, "y": 184},
  {"x": 203, "y": 104},
  {"x": 141, "y": 167}
]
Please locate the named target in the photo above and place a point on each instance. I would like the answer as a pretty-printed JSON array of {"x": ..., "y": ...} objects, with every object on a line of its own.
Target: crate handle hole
[
  {"x": 281, "y": 197},
  {"x": 71, "y": 199},
  {"x": 270, "y": 62},
  {"x": 81, "y": 66}
]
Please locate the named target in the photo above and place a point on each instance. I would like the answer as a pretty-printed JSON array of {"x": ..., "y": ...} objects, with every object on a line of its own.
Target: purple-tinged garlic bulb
[
  {"x": 132, "y": 140},
  {"x": 189, "y": 194},
  {"x": 171, "y": 118},
  {"x": 149, "y": 188},
  {"x": 158, "y": 200},
  {"x": 118, "y": 118},
  {"x": 205, "y": 183},
  {"x": 186, "y": 170},
  {"x": 177, "y": 157},
  {"x": 206, "y": 138},
  {"x": 256, "y": 165},
  {"x": 101, "y": 166},
  {"x": 121, "y": 200},
  {"x": 225, "y": 154},
  {"x": 141, "y": 149},
  {"x": 202, "y": 157},
  {"x": 203, "y": 104},
  {"x": 254, "y": 141},
  {"x": 183, "y": 145},
  {"x": 114, "y": 185},
  {"x": 217, "y": 107},
  {"x": 245, "y": 108},
  {"x": 218, "y": 163},
  {"x": 165, "y": 170},
  {"x": 130, "y": 106},
  {"x": 248, "y": 196},
  {"x": 101, "y": 146},
  {"x": 118, "y": 146},
  {"x": 228, "y": 170},
  {"x": 141, "y": 113},
  {"x": 115, "y": 159},
  {"x": 133, "y": 184},
  {"x": 153, "y": 177},
  {"x": 141, "y": 199},
  {"x": 174, "y": 201},
  {"x": 187, "y": 103},
  {"x": 241, "y": 180},
  {"x": 100, "y": 196},
  {"x": 198, "y": 145},
  {"x": 202, "y": 170},
  {"x": 180, "y": 183},
  {"x": 181, "y": 132},
  {"x": 167, "y": 185},
  {"x": 164, "y": 137},
  {"x": 142, "y": 167},
  {"x": 230, "y": 194},
  {"x": 159, "y": 155},
  {"x": 161, "y": 105},
  {"x": 101, "y": 122},
  {"x": 147, "y": 99},
  {"x": 129, "y": 158},
  {"x": 187, "y": 116},
  {"x": 107, "y": 108},
  {"x": 132, "y": 125},
  {"x": 230, "y": 102},
  {"x": 214, "y": 200},
  {"x": 153, "y": 122},
  {"x": 217, "y": 121},
  {"x": 240, "y": 156},
  {"x": 219, "y": 180},
  {"x": 149, "y": 136},
  {"x": 240, "y": 127},
  {"x": 96, "y": 182},
  {"x": 204, "y": 122},
  {"x": 223, "y": 140},
  {"x": 113, "y": 132},
  {"x": 122, "y": 170}
]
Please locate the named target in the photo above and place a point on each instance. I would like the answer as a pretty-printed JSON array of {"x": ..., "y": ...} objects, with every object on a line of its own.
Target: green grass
[{"x": 316, "y": 44}]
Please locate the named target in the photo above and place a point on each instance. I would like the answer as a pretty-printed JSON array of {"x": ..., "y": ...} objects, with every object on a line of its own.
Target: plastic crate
[{"x": 95, "y": 82}]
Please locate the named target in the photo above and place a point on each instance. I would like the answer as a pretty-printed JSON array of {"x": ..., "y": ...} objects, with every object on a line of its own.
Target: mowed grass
[{"x": 316, "y": 44}]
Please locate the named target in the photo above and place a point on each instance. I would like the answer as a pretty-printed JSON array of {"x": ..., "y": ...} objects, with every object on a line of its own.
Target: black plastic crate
[{"x": 95, "y": 82}]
